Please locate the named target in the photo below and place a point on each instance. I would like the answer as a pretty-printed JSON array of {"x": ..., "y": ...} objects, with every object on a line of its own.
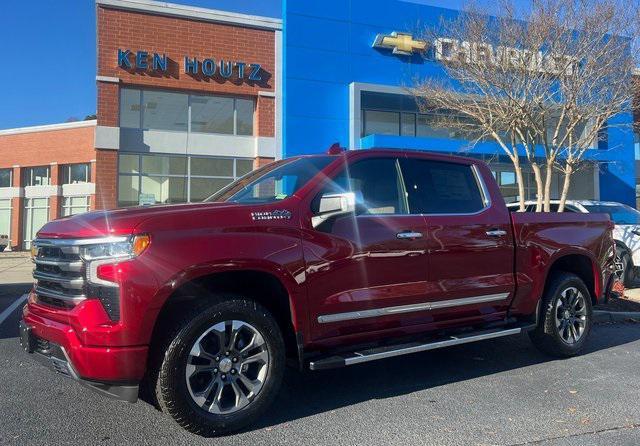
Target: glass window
[
  {"x": 202, "y": 188},
  {"x": 273, "y": 182},
  {"x": 129, "y": 108},
  {"x": 165, "y": 189},
  {"x": 426, "y": 126},
  {"x": 5, "y": 177},
  {"x": 408, "y": 124},
  {"x": 128, "y": 190},
  {"x": 376, "y": 184},
  {"x": 167, "y": 180},
  {"x": 436, "y": 187},
  {"x": 507, "y": 178},
  {"x": 129, "y": 164},
  {"x": 243, "y": 167},
  {"x": 74, "y": 205},
  {"x": 164, "y": 165},
  {"x": 164, "y": 110},
  {"x": 212, "y": 167},
  {"x": 244, "y": 117},
  {"x": 35, "y": 216},
  {"x": 212, "y": 114},
  {"x": 76, "y": 173},
  {"x": 37, "y": 176},
  {"x": 5, "y": 217},
  {"x": 381, "y": 123}
]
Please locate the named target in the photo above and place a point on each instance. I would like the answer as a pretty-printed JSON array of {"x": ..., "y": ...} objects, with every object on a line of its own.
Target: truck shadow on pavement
[{"x": 307, "y": 394}]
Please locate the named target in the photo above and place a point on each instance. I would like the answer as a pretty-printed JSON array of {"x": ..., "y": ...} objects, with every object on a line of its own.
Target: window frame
[
  {"x": 67, "y": 168},
  {"x": 188, "y": 117},
  {"x": 26, "y": 182},
  {"x": 139, "y": 174},
  {"x": 403, "y": 198},
  {"x": 10, "y": 170},
  {"x": 485, "y": 196},
  {"x": 64, "y": 206},
  {"x": 28, "y": 205}
]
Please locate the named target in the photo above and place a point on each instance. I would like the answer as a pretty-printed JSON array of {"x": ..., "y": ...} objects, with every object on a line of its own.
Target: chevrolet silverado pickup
[{"x": 318, "y": 262}]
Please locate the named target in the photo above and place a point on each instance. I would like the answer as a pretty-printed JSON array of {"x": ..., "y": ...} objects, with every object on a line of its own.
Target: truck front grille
[{"x": 59, "y": 273}]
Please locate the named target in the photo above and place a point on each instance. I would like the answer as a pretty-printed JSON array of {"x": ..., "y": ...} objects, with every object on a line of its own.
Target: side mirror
[{"x": 332, "y": 205}]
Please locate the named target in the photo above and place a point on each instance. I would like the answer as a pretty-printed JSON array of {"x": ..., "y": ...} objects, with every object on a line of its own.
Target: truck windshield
[
  {"x": 620, "y": 214},
  {"x": 273, "y": 182}
]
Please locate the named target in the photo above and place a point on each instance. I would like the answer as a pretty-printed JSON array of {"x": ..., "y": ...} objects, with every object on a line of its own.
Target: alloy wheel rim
[
  {"x": 619, "y": 267},
  {"x": 571, "y": 315},
  {"x": 227, "y": 367}
]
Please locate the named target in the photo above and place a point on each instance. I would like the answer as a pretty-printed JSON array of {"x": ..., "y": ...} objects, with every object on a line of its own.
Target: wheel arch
[
  {"x": 264, "y": 285},
  {"x": 583, "y": 265}
]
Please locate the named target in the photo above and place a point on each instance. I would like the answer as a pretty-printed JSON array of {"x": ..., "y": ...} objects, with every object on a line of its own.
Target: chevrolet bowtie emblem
[{"x": 400, "y": 43}]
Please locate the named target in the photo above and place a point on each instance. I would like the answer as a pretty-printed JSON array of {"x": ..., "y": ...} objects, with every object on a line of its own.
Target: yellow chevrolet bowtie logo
[{"x": 400, "y": 43}]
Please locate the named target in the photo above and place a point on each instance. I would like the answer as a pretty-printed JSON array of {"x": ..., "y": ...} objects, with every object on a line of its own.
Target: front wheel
[
  {"x": 223, "y": 366},
  {"x": 566, "y": 317}
]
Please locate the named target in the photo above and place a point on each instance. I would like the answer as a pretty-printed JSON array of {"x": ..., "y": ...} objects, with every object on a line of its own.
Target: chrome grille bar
[
  {"x": 64, "y": 265},
  {"x": 57, "y": 295},
  {"x": 76, "y": 283},
  {"x": 59, "y": 272}
]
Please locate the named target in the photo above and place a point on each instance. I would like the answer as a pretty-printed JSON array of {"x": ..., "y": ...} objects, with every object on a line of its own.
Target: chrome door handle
[
  {"x": 496, "y": 233},
  {"x": 408, "y": 235}
]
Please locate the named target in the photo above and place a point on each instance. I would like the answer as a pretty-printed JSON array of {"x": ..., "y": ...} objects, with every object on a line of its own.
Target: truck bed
[{"x": 540, "y": 237}]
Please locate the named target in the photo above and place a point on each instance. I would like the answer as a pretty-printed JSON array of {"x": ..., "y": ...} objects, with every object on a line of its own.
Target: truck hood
[{"x": 117, "y": 221}]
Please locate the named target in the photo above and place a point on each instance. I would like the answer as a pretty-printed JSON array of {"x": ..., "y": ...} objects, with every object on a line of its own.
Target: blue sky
[{"x": 48, "y": 74}]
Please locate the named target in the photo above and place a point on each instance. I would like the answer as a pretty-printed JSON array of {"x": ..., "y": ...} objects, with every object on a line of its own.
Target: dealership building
[{"x": 189, "y": 99}]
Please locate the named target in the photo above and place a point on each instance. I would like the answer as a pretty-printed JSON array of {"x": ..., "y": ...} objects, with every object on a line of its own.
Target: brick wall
[
  {"x": 39, "y": 148},
  {"x": 266, "y": 111},
  {"x": 106, "y": 179},
  {"x": 177, "y": 38}
]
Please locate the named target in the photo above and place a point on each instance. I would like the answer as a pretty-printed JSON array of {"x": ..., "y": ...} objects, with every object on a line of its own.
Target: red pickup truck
[{"x": 320, "y": 261}]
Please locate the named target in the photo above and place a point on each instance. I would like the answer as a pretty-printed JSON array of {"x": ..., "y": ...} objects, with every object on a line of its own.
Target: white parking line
[{"x": 9, "y": 311}]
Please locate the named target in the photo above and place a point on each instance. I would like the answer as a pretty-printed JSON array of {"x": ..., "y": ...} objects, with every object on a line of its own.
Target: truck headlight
[
  {"x": 117, "y": 249},
  {"x": 105, "y": 266}
]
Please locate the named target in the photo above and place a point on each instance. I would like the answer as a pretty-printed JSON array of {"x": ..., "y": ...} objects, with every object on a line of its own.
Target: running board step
[{"x": 373, "y": 354}]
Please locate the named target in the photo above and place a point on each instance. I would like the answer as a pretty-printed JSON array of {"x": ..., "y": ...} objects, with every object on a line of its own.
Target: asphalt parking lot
[{"x": 496, "y": 392}]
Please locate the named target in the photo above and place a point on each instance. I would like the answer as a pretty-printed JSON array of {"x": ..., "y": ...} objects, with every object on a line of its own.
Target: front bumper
[
  {"x": 55, "y": 357},
  {"x": 114, "y": 372}
]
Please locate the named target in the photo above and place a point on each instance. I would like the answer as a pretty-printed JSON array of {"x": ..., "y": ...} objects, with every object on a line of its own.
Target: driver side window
[{"x": 376, "y": 184}]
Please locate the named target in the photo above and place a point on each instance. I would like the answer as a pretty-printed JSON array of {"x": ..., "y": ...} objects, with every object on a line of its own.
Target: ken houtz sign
[{"x": 209, "y": 67}]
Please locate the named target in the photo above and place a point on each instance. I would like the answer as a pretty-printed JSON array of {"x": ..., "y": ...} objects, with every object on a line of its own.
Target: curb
[{"x": 616, "y": 316}]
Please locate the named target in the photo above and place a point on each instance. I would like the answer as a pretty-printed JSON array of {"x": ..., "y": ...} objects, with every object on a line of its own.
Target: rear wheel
[
  {"x": 624, "y": 266},
  {"x": 222, "y": 368},
  {"x": 566, "y": 319}
]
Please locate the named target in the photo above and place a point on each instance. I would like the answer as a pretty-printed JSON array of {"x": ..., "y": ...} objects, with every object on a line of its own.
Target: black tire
[
  {"x": 171, "y": 390},
  {"x": 547, "y": 336},
  {"x": 624, "y": 258}
]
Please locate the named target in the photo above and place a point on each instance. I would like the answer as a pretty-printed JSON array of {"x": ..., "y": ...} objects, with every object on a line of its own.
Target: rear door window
[{"x": 436, "y": 187}]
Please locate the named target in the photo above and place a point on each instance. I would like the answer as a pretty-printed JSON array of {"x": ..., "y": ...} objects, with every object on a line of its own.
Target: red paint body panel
[{"x": 360, "y": 265}]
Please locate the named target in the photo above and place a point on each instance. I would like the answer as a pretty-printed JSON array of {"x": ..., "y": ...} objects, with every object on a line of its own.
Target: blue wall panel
[{"x": 328, "y": 46}]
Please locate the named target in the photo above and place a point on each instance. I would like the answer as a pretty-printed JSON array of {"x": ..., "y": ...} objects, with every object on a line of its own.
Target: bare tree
[{"x": 542, "y": 82}]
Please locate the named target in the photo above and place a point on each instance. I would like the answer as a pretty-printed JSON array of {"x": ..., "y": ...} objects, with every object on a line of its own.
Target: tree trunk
[
  {"x": 537, "y": 173},
  {"x": 520, "y": 181},
  {"x": 568, "y": 171},
  {"x": 547, "y": 186}
]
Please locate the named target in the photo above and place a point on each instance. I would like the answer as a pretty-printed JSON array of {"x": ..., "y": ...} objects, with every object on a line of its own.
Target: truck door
[
  {"x": 470, "y": 242},
  {"x": 366, "y": 270}
]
